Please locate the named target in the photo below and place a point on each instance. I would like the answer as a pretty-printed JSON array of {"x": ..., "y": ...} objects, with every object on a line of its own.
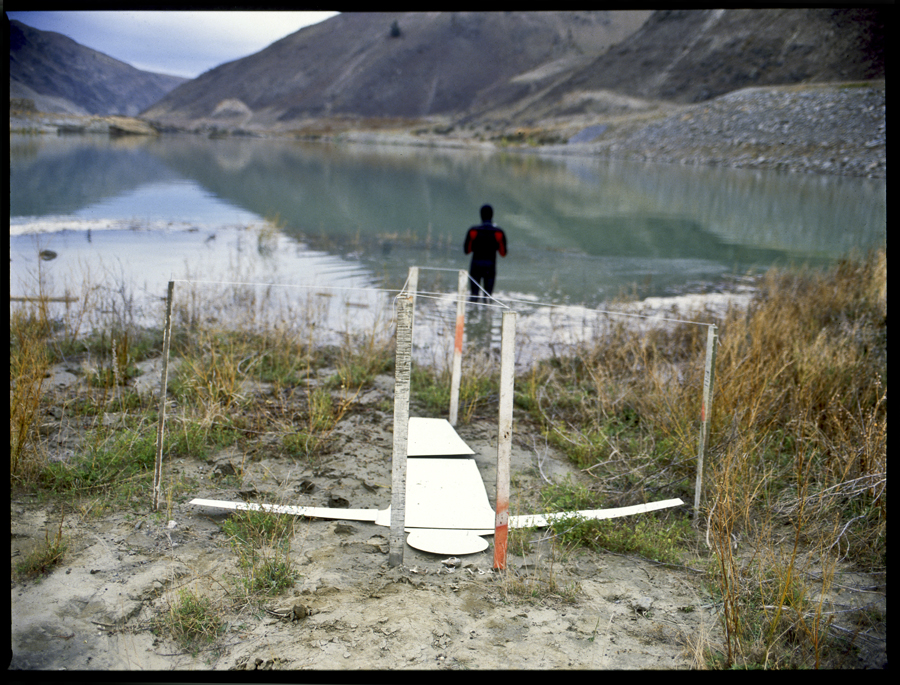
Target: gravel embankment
[{"x": 829, "y": 130}]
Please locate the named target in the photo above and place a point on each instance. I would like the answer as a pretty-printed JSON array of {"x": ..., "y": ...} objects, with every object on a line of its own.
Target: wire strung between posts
[
  {"x": 471, "y": 280},
  {"x": 440, "y": 296},
  {"x": 655, "y": 317},
  {"x": 547, "y": 304},
  {"x": 292, "y": 285}
]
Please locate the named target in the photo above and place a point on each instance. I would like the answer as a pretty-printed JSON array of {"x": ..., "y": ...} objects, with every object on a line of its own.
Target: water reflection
[{"x": 580, "y": 230}]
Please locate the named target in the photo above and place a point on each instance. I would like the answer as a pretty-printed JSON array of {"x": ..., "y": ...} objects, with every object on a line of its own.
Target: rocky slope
[
  {"x": 431, "y": 63},
  {"x": 59, "y": 75},
  {"x": 687, "y": 56},
  {"x": 834, "y": 129},
  {"x": 518, "y": 68}
]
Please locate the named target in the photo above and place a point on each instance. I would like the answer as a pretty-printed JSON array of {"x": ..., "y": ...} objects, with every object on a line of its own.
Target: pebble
[{"x": 817, "y": 130}]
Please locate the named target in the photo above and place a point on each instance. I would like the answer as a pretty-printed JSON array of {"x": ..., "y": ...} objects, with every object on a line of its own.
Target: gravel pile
[{"x": 828, "y": 130}]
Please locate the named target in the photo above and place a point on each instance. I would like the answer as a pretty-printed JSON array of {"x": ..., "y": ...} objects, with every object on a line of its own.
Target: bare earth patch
[{"x": 348, "y": 608}]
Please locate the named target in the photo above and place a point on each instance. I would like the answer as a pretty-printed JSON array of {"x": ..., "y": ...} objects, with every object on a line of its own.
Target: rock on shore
[
  {"x": 820, "y": 128},
  {"x": 826, "y": 129}
]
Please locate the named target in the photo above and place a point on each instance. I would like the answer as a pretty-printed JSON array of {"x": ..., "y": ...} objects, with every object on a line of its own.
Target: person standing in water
[{"x": 483, "y": 242}]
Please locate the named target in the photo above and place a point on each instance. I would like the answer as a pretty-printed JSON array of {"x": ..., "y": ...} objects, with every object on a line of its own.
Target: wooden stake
[
  {"x": 163, "y": 387},
  {"x": 705, "y": 411},
  {"x": 504, "y": 435},
  {"x": 66, "y": 299},
  {"x": 456, "y": 372},
  {"x": 412, "y": 287},
  {"x": 401, "y": 427}
]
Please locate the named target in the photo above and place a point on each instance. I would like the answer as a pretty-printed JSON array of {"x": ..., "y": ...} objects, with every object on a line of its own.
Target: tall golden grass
[
  {"x": 28, "y": 363},
  {"x": 795, "y": 484}
]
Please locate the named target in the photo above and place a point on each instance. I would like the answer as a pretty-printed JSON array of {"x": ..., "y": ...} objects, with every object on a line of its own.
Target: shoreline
[
  {"x": 653, "y": 597},
  {"x": 830, "y": 129}
]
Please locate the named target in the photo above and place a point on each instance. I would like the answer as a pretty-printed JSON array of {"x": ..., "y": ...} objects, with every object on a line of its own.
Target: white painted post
[
  {"x": 401, "y": 427},
  {"x": 456, "y": 372},
  {"x": 163, "y": 387},
  {"x": 705, "y": 411},
  {"x": 412, "y": 287},
  {"x": 504, "y": 435}
]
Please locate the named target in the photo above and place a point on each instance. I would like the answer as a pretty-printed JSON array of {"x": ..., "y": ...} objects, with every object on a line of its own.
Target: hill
[
  {"x": 61, "y": 75},
  {"x": 516, "y": 68},
  {"x": 688, "y": 56},
  {"x": 401, "y": 65}
]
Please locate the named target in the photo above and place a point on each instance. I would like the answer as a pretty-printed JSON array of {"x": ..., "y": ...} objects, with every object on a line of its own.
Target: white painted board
[
  {"x": 543, "y": 520},
  {"x": 434, "y": 438},
  {"x": 445, "y": 493},
  {"x": 312, "y": 512},
  {"x": 446, "y": 541}
]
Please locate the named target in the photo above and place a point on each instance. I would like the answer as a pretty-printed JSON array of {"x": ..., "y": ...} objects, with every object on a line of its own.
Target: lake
[{"x": 580, "y": 230}]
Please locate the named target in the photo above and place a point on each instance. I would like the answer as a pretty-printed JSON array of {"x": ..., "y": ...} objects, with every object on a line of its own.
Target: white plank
[
  {"x": 446, "y": 541},
  {"x": 434, "y": 438},
  {"x": 541, "y": 521},
  {"x": 312, "y": 512},
  {"x": 382, "y": 517},
  {"x": 445, "y": 493}
]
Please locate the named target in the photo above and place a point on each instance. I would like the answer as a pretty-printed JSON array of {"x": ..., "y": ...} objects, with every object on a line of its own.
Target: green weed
[
  {"x": 262, "y": 542},
  {"x": 28, "y": 364},
  {"x": 192, "y": 621},
  {"x": 45, "y": 557}
]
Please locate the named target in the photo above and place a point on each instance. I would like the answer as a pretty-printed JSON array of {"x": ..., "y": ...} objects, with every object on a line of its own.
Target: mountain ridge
[
  {"x": 508, "y": 76},
  {"x": 508, "y": 69},
  {"x": 60, "y": 75},
  {"x": 440, "y": 64}
]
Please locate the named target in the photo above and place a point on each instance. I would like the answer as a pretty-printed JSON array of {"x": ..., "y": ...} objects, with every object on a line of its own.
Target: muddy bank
[
  {"x": 126, "y": 568},
  {"x": 828, "y": 128},
  {"x": 348, "y": 609}
]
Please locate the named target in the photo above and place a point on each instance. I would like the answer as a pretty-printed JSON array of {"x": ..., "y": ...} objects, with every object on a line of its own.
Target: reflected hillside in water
[
  {"x": 581, "y": 227},
  {"x": 588, "y": 206},
  {"x": 65, "y": 174}
]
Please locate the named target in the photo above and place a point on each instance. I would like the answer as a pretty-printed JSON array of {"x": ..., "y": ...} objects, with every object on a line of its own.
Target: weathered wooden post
[
  {"x": 163, "y": 387},
  {"x": 504, "y": 435},
  {"x": 412, "y": 287},
  {"x": 456, "y": 369},
  {"x": 705, "y": 410},
  {"x": 401, "y": 427}
]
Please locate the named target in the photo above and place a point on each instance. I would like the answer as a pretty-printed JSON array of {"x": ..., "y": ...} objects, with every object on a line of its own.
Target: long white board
[{"x": 447, "y": 507}]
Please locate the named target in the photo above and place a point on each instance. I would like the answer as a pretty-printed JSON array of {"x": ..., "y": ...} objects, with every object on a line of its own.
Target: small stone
[
  {"x": 344, "y": 529},
  {"x": 642, "y": 604},
  {"x": 338, "y": 502}
]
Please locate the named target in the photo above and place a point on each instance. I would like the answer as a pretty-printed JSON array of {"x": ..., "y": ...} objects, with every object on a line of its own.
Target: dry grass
[
  {"x": 795, "y": 486},
  {"x": 796, "y": 462},
  {"x": 799, "y": 472},
  {"x": 28, "y": 363}
]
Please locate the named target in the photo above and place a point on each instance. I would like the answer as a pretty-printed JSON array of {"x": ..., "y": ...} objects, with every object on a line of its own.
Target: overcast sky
[{"x": 178, "y": 43}]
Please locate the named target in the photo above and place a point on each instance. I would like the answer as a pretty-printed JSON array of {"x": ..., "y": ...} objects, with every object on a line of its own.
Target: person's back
[{"x": 483, "y": 242}]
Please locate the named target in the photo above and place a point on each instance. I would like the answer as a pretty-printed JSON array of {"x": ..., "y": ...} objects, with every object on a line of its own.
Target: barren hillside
[
  {"x": 522, "y": 67},
  {"x": 60, "y": 75},
  {"x": 407, "y": 65}
]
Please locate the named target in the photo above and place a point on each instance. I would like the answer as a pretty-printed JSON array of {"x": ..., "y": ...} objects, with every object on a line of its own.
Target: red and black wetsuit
[{"x": 484, "y": 242}]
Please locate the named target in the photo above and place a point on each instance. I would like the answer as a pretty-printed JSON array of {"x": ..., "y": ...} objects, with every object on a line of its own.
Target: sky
[{"x": 180, "y": 43}]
